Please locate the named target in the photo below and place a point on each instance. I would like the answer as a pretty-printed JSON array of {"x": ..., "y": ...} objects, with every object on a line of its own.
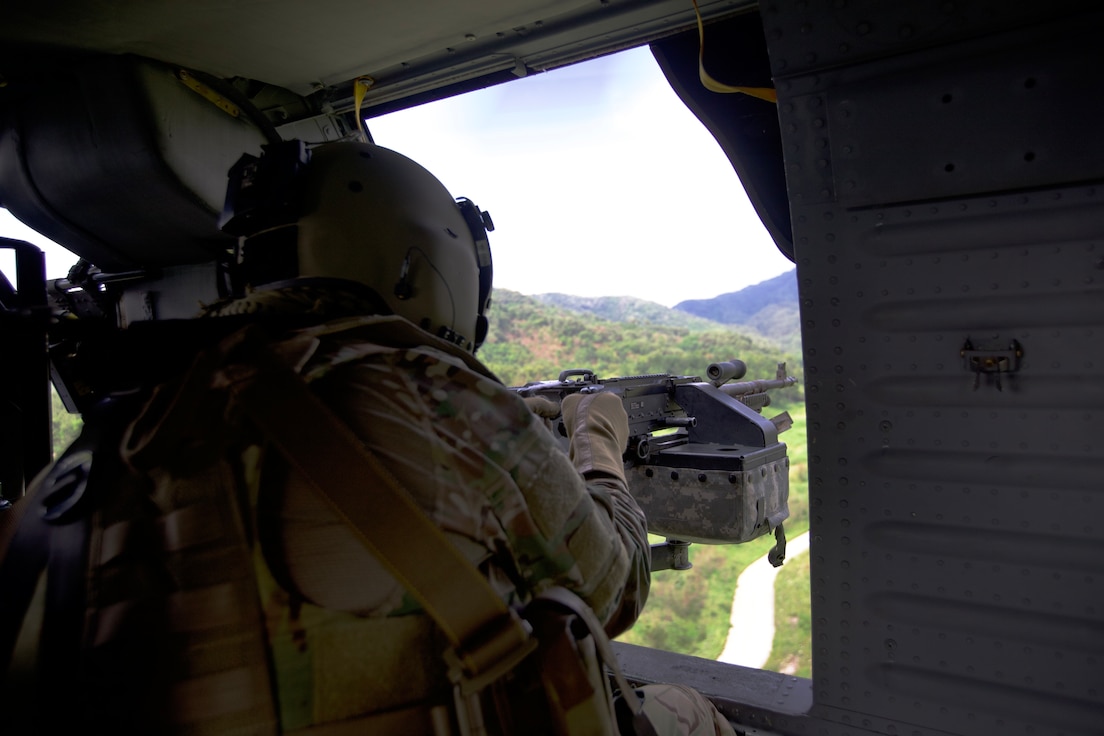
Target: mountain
[
  {"x": 741, "y": 306},
  {"x": 769, "y": 307},
  {"x": 627, "y": 309}
]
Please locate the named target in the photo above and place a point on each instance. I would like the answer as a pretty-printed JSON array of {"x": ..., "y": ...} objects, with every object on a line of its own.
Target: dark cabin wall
[
  {"x": 944, "y": 176},
  {"x": 944, "y": 169}
]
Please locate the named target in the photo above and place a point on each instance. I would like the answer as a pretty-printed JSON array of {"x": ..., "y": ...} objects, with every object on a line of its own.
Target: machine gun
[{"x": 703, "y": 462}]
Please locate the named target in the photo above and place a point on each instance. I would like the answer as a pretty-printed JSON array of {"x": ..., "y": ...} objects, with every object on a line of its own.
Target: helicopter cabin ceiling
[
  {"x": 405, "y": 47},
  {"x": 106, "y": 149}
]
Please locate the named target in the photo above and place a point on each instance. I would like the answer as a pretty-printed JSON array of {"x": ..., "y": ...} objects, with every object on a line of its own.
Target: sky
[{"x": 599, "y": 180}]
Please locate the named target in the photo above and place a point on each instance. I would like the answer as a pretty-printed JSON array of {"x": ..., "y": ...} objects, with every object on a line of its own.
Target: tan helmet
[{"x": 372, "y": 215}]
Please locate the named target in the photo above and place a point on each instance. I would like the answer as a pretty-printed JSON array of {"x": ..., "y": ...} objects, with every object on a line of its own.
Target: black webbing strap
[
  {"x": 21, "y": 564},
  {"x": 50, "y": 530},
  {"x": 49, "y": 526}
]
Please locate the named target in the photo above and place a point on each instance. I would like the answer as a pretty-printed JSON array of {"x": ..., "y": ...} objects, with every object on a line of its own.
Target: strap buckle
[{"x": 489, "y": 653}]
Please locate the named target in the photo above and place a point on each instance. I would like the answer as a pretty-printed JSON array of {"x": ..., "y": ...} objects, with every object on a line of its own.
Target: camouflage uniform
[
  {"x": 677, "y": 710},
  {"x": 346, "y": 638}
]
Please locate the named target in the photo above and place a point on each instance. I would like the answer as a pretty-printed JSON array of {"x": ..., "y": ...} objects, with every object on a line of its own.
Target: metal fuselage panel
[{"x": 946, "y": 181}]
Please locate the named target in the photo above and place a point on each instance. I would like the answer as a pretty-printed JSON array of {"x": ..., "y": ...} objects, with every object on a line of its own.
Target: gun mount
[{"x": 703, "y": 462}]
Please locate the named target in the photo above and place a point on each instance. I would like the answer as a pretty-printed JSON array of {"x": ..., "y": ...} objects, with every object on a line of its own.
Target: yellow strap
[
  {"x": 711, "y": 84},
  {"x": 209, "y": 94},
  {"x": 361, "y": 86}
]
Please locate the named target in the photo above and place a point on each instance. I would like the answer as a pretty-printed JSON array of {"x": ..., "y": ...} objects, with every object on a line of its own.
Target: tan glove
[
  {"x": 598, "y": 429},
  {"x": 542, "y": 407}
]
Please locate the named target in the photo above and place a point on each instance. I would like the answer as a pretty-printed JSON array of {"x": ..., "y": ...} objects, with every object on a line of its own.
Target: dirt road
[{"x": 751, "y": 625}]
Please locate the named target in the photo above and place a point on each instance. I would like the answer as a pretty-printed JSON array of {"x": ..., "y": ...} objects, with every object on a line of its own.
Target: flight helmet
[{"x": 368, "y": 214}]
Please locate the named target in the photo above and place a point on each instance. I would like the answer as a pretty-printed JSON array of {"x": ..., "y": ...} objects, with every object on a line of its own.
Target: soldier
[
  {"x": 400, "y": 281},
  {"x": 392, "y": 277}
]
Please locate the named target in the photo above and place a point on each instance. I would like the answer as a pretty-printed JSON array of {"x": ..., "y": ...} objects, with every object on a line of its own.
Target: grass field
[{"x": 792, "y": 652}]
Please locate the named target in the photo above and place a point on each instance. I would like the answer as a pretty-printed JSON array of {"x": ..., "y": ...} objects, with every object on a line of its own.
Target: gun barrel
[
  {"x": 759, "y": 386},
  {"x": 727, "y": 371}
]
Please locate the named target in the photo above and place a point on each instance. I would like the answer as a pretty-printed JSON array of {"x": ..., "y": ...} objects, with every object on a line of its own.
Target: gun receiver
[{"x": 703, "y": 463}]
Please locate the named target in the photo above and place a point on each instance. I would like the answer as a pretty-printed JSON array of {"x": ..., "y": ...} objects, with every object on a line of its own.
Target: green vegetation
[
  {"x": 65, "y": 426},
  {"x": 793, "y": 641},
  {"x": 688, "y": 610},
  {"x": 535, "y": 338},
  {"x": 533, "y": 341}
]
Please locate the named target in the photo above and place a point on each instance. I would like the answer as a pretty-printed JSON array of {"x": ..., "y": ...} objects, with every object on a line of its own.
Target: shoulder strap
[{"x": 488, "y": 638}]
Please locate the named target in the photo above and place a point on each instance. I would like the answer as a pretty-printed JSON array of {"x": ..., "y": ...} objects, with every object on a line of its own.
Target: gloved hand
[
  {"x": 542, "y": 407},
  {"x": 598, "y": 429}
]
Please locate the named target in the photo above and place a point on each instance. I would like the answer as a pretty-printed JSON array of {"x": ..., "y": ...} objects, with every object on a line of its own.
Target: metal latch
[{"x": 991, "y": 362}]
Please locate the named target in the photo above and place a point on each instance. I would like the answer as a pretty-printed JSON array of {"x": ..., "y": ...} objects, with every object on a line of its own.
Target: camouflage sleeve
[
  {"x": 598, "y": 431},
  {"x": 613, "y": 498},
  {"x": 492, "y": 476},
  {"x": 584, "y": 530}
]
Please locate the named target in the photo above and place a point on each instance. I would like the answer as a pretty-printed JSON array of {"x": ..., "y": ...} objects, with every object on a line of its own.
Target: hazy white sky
[{"x": 599, "y": 180}]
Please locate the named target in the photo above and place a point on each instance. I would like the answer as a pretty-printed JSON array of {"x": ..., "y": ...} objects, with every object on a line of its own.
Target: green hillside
[
  {"x": 531, "y": 340},
  {"x": 768, "y": 311},
  {"x": 779, "y": 322},
  {"x": 627, "y": 309}
]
